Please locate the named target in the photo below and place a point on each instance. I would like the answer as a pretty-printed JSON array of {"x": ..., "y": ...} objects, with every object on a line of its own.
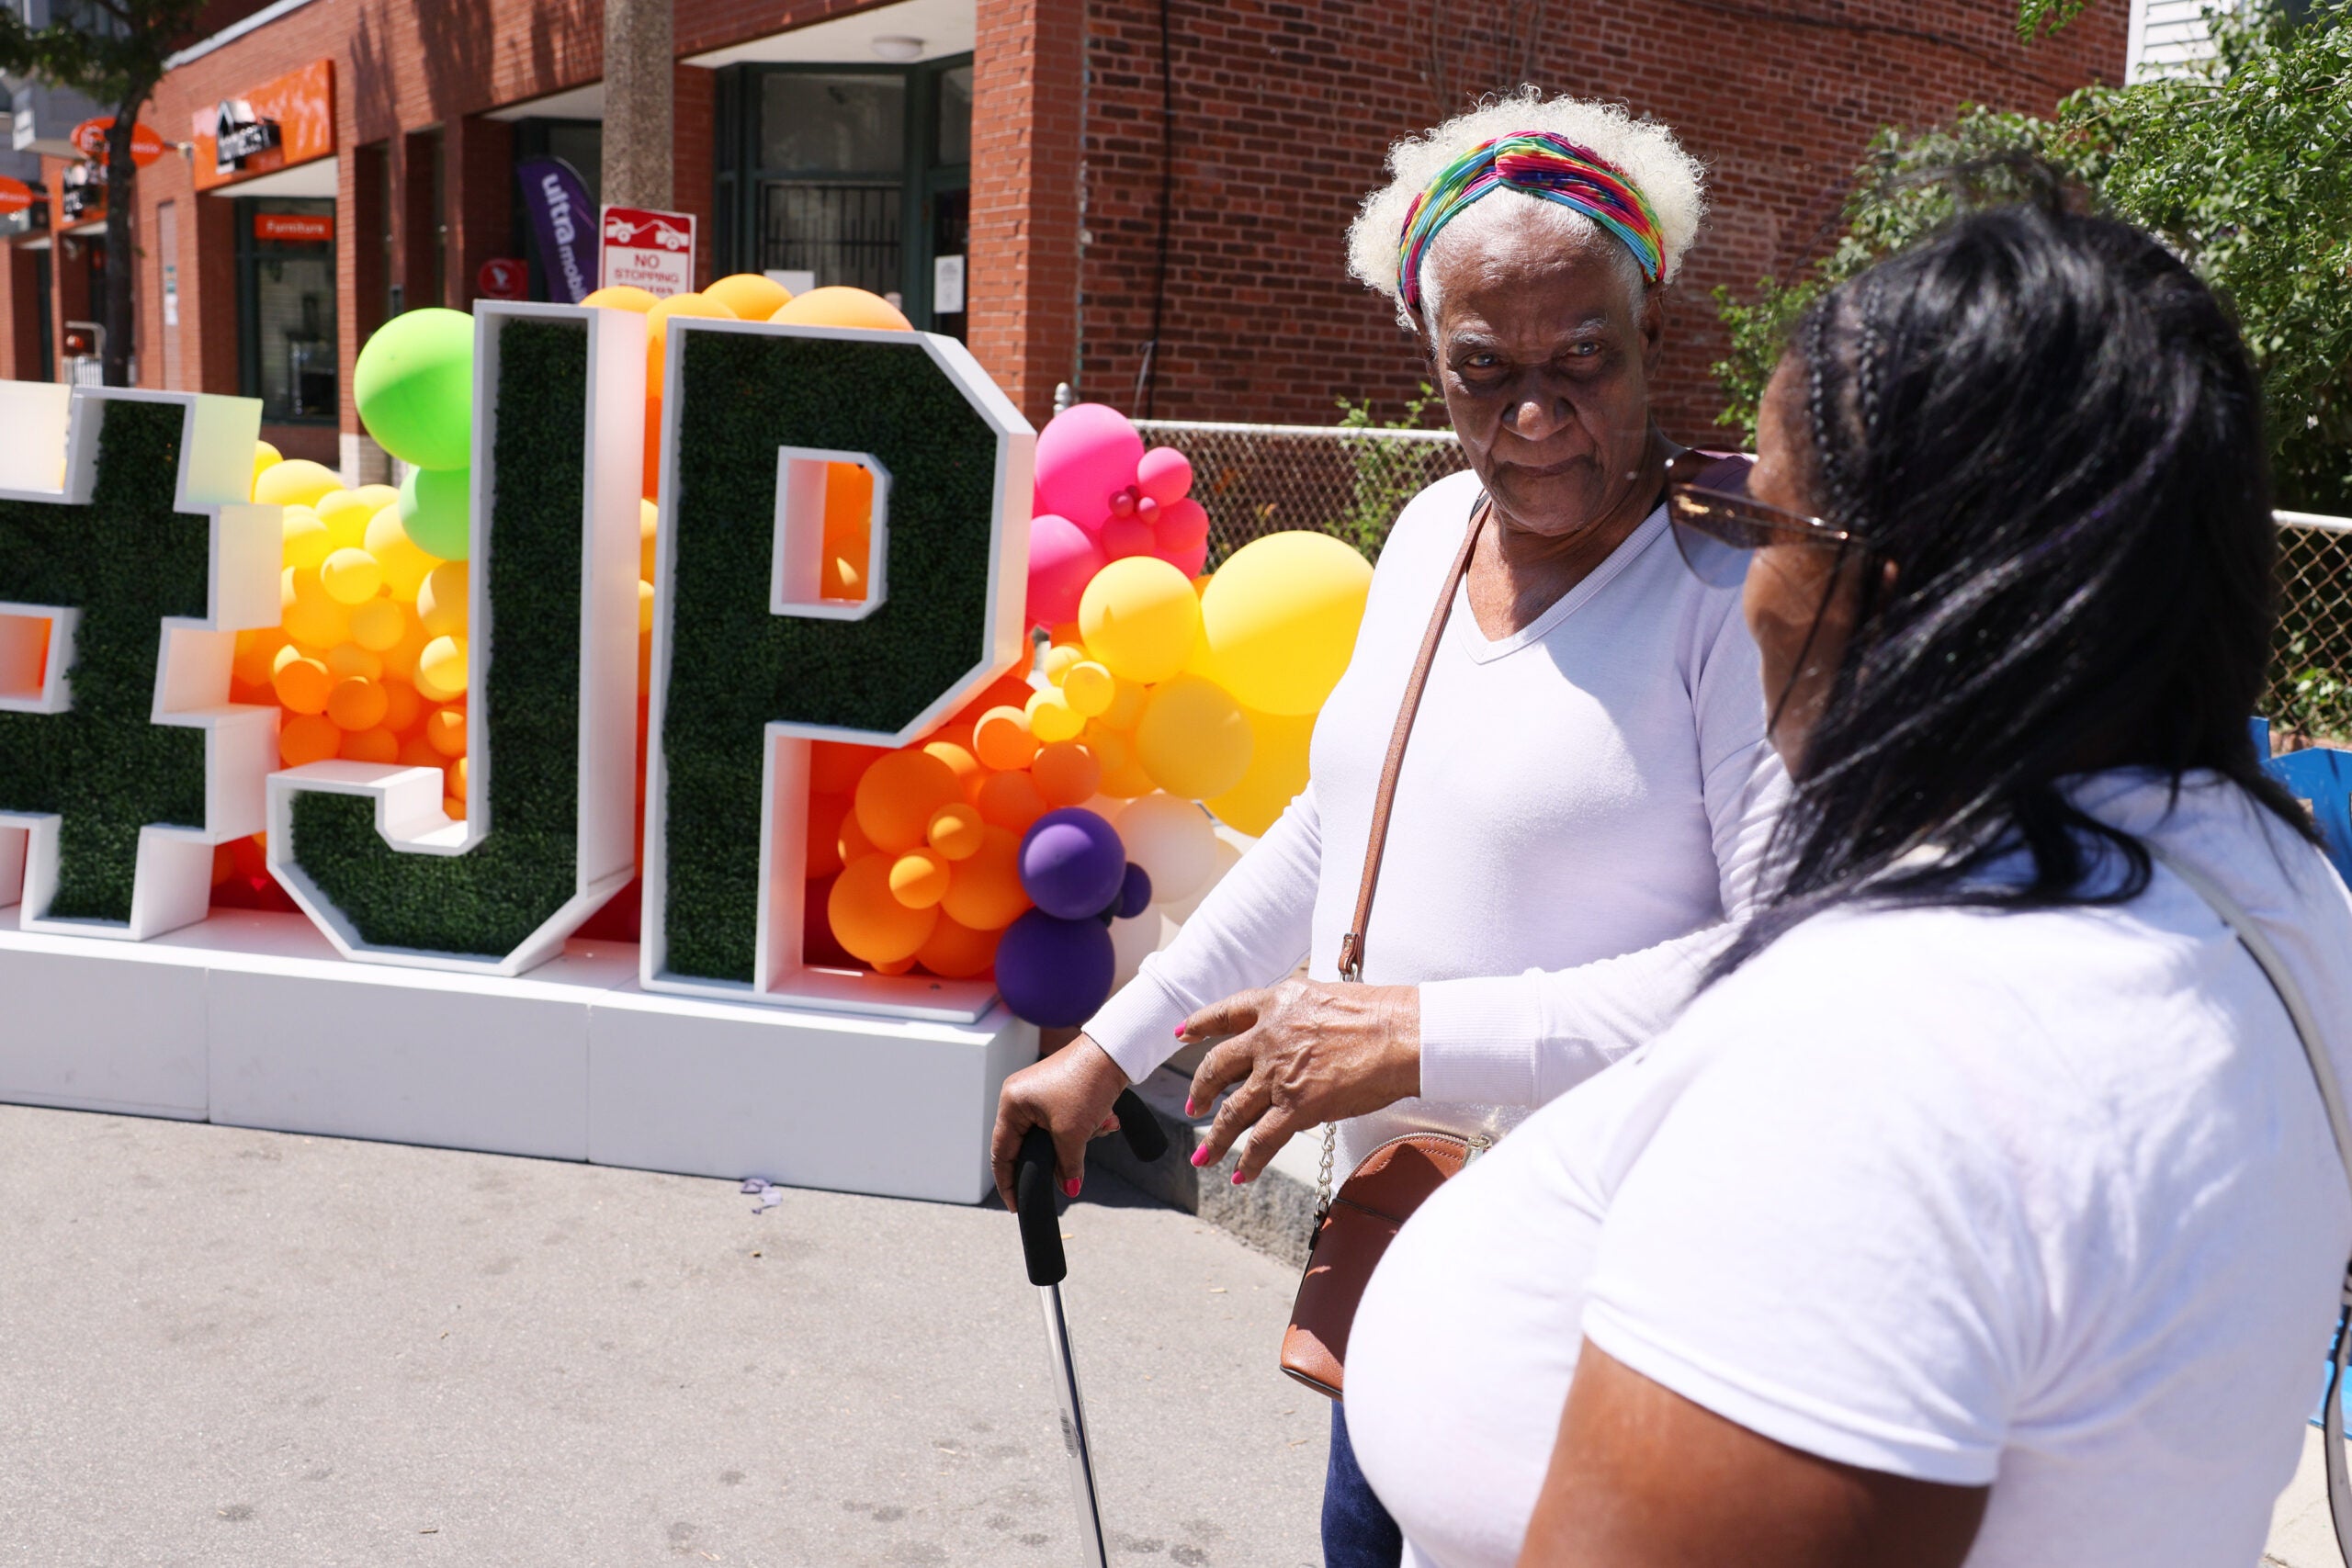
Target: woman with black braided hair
[{"x": 1984, "y": 1207}]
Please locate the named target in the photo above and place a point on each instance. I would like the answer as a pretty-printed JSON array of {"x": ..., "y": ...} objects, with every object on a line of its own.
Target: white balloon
[
  {"x": 1173, "y": 843},
  {"x": 1228, "y": 857},
  {"x": 1132, "y": 941}
]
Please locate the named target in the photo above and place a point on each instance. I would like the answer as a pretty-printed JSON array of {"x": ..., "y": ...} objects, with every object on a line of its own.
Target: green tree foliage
[
  {"x": 112, "y": 50},
  {"x": 2243, "y": 167}
]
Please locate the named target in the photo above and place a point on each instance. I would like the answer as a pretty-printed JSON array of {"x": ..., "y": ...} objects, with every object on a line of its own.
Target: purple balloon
[
  {"x": 1055, "y": 973},
  {"x": 1134, "y": 892},
  {"x": 1072, "y": 864}
]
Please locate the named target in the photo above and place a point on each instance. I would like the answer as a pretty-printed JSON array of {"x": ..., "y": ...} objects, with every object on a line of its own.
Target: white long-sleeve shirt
[{"x": 1581, "y": 804}]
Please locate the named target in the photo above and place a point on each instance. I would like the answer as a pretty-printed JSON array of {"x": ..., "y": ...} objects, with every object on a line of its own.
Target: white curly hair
[{"x": 1644, "y": 150}]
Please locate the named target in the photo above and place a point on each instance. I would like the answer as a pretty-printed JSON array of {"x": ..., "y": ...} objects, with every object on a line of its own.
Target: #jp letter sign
[
  {"x": 751, "y": 665},
  {"x": 122, "y": 762},
  {"x": 551, "y": 731}
]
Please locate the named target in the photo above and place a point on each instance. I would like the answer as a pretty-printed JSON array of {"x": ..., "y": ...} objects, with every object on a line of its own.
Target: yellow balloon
[
  {"x": 346, "y": 514},
  {"x": 1141, "y": 618},
  {"x": 1089, "y": 688},
  {"x": 351, "y": 576},
  {"x": 441, "y": 668},
  {"x": 265, "y": 456},
  {"x": 378, "y": 625},
  {"x": 441, "y": 603},
  {"x": 305, "y": 540},
  {"x": 1052, "y": 719},
  {"x": 308, "y": 611},
  {"x": 750, "y": 295},
  {"x": 621, "y": 296},
  {"x": 296, "y": 482},
  {"x": 1123, "y": 777},
  {"x": 1277, "y": 772},
  {"x": 1193, "y": 739},
  {"x": 404, "y": 562},
  {"x": 1279, "y": 620}
]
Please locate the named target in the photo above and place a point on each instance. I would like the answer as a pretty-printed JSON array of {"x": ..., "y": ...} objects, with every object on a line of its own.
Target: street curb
[{"x": 1275, "y": 1213}]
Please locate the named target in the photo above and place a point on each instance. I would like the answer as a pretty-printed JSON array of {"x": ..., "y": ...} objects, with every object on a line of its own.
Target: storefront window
[
  {"x": 285, "y": 316},
  {"x": 835, "y": 175}
]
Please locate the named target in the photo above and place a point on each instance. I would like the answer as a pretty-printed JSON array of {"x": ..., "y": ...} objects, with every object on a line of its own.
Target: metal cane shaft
[{"x": 1074, "y": 1437}]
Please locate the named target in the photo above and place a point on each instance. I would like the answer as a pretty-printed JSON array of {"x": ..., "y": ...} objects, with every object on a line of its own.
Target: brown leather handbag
[{"x": 1355, "y": 1226}]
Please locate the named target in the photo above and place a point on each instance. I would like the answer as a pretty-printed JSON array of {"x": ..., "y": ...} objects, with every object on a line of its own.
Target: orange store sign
[
  {"x": 274, "y": 126},
  {"x": 307, "y": 227},
  {"x": 16, "y": 197},
  {"x": 90, "y": 140}
]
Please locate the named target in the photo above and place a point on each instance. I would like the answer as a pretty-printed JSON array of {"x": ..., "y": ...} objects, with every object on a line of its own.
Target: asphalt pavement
[{"x": 229, "y": 1346}]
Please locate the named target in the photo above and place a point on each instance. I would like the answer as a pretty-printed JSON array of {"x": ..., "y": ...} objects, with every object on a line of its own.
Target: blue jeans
[{"x": 1357, "y": 1531}]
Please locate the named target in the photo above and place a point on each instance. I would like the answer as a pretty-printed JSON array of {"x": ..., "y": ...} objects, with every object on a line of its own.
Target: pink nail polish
[
  {"x": 1239, "y": 1179},
  {"x": 1179, "y": 1032},
  {"x": 1070, "y": 1189},
  {"x": 1200, "y": 1157},
  {"x": 1189, "y": 1108}
]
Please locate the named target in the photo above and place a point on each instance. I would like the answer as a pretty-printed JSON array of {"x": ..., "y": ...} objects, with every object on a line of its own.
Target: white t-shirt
[
  {"x": 1596, "y": 787},
  {"x": 2044, "y": 1200}
]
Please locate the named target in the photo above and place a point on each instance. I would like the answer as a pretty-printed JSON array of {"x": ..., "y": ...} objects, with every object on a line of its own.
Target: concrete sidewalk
[{"x": 227, "y": 1346}]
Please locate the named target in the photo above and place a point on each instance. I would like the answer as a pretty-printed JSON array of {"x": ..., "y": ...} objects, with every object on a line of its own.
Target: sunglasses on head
[{"x": 1717, "y": 523}]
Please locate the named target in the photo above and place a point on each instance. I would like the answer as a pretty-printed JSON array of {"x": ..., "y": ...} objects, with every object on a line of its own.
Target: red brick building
[{"x": 865, "y": 143}]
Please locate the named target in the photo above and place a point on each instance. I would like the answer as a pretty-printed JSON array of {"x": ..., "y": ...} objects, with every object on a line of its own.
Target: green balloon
[
  {"x": 434, "y": 511},
  {"x": 415, "y": 386}
]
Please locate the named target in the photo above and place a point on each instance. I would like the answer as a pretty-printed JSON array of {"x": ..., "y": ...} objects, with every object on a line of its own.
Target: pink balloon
[
  {"x": 1085, "y": 455},
  {"x": 1188, "y": 561},
  {"x": 1181, "y": 524},
  {"x": 1165, "y": 475},
  {"x": 1062, "y": 561},
  {"x": 1124, "y": 536}
]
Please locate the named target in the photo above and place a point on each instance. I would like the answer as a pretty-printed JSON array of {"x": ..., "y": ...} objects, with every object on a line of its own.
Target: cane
[{"x": 1041, "y": 1248}]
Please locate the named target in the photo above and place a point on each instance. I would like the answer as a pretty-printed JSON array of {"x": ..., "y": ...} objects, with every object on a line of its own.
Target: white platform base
[{"x": 250, "y": 1019}]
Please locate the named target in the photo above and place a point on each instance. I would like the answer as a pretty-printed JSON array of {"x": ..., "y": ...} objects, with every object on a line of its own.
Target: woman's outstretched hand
[
  {"x": 1303, "y": 1052},
  {"x": 1070, "y": 1095}
]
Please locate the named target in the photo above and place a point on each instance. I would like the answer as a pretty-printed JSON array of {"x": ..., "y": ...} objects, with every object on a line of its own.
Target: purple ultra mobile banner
[{"x": 563, "y": 222}]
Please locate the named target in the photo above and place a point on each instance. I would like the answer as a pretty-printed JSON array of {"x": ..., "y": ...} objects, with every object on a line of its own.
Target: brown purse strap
[{"x": 1351, "y": 944}]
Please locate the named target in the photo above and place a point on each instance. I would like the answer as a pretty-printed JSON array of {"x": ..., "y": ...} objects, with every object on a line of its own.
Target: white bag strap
[{"x": 2331, "y": 1093}]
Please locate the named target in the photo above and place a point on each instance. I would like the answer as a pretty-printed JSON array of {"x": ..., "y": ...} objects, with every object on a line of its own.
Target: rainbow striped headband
[{"x": 1541, "y": 164}]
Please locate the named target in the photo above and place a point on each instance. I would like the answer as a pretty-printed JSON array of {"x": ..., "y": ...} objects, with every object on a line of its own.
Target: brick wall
[
  {"x": 1285, "y": 110},
  {"x": 1028, "y": 97}
]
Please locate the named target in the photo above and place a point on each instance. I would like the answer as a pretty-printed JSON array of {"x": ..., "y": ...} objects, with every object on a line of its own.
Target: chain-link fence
[
  {"x": 2309, "y": 697},
  {"x": 1254, "y": 480},
  {"x": 1347, "y": 483}
]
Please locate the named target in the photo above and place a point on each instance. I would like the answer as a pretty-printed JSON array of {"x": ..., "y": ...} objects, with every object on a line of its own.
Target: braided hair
[{"x": 2051, "y": 428}]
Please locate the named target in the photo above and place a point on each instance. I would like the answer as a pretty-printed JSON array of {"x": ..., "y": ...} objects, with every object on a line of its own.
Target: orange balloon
[
  {"x": 956, "y": 830},
  {"x": 302, "y": 686},
  {"x": 960, "y": 761},
  {"x": 657, "y": 330},
  {"x": 853, "y": 844},
  {"x": 456, "y": 774},
  {"x": 371, "y": 746},
  {"x": 454, "y": 808},
  {"x": 918, "y": 878},
  {"x": 403, "y": 709},
  {"x": 1066, "y": 773},
  {"x": 835, "y": 766},
  {"x": 651, "y": 488},
  {"x": 1002, "y": 738},
  {"x": 258, "y": 654},
  {"x": 418, "y": 752},
  {"x": 848, "y": 532},
  {"x": 825, "y": 814},
  {"x": 1124, "y": 778},
  {"x": 308, "y": 738},
  {"x": 837, "y": 306},
  {"x": 985, "y": 892},
  {"x": 622, "y": 297},
  {"x": 956, "y": 951},
  {"x": 446, "y": 729},
  {"x": 359, "y": 703},
  {"x": 870, "y": 922},
  {"x": 1010, "y": 801},
  {"x": 899, "y": 795},
  {"x": 750, "y": 295}
]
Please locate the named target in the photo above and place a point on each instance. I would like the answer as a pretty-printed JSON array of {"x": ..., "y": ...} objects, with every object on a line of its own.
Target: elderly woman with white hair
[{"x": 1586, "y": 787}]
